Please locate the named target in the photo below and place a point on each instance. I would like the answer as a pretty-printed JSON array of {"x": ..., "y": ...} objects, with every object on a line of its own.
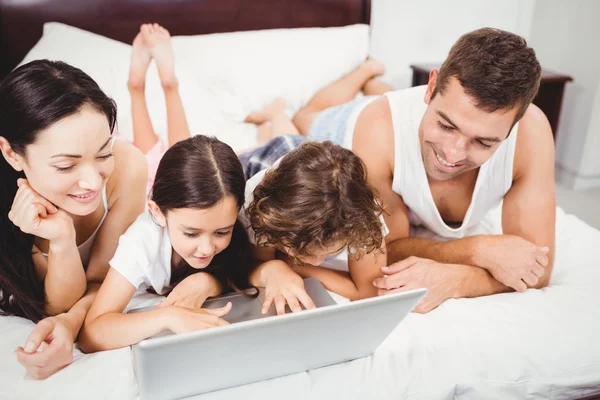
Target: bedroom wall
[
  {"x": 565, "y": 36},
  {"x": 406, "y": 32}
]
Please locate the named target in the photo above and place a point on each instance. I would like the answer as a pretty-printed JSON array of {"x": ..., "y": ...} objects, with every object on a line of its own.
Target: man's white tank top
[{"x": 410, "y": 179}]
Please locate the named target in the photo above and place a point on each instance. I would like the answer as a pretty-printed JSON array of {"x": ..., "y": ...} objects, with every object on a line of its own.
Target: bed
[{"x": 538, "y": 344}]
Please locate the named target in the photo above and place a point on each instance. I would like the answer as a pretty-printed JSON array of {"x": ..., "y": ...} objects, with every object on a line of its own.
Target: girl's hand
[
  {"x": 283, "y": 286},
  {"x": 181, "y": 320},
  {"x": 35, "y": 215},
  {"x": 193, "y": 291},
  {"x": 48, "y": 349}
]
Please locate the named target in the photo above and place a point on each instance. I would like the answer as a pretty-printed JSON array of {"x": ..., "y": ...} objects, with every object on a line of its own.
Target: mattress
[{"x": 538, "y": 344}]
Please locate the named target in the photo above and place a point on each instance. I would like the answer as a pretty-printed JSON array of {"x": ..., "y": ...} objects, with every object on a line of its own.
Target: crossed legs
[{"x": 272, "y": 120}]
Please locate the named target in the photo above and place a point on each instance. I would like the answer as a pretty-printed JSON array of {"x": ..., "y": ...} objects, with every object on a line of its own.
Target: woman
[{"x": 67, "y": 193}]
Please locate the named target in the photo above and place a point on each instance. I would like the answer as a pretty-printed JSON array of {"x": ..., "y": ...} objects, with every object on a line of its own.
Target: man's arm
[
  {"x": 458, "y": 251},
  {"x": 529, "y": 209}
]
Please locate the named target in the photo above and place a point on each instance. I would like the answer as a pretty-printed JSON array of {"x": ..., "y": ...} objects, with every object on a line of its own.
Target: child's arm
[
  {"x": 106, "y": 327},
  {"x": 262, "y": 253},
  {"x": 193, "y": 291},
  {"x": 354, "y": 286}
]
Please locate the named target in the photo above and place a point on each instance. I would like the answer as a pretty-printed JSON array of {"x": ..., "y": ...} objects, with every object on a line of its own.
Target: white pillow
[
  {"x": 222, "y": 77},
  {"x": 98, "y": 56},
  {"x": 254, "y": 67}
]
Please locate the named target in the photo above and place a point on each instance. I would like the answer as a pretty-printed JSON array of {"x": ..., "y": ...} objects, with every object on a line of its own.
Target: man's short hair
[{"x": 496, "y": 68}]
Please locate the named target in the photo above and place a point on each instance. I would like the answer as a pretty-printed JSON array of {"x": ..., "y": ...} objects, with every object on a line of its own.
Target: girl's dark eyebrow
[{"x": 189, "y": 228}]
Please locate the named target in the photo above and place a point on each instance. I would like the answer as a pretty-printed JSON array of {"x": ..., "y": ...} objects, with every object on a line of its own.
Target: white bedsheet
[{"x": 538, "y": 344}]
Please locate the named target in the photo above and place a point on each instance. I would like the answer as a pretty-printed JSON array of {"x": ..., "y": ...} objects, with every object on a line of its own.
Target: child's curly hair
[{"x": 317, "y": 197}]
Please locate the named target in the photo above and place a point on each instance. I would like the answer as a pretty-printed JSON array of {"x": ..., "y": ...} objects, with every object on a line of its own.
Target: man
[{"x": 443, "y": 155}]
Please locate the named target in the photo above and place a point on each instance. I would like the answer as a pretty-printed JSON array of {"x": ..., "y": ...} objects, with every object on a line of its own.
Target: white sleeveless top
[
  {"x": 85, "y": 248},
  {"x": 410, "y": 179}
]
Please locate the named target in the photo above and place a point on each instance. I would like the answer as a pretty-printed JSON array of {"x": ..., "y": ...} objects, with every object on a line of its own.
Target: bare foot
[
  {"x": 376, "y": 68},
  {"x": 158, "y": 40},
  {"x": 276, "y": 107},
  {"x": 140, "y": 59}
]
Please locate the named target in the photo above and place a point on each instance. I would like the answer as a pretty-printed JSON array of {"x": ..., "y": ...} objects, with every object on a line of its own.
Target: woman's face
[{"x": 71, "y": 161}]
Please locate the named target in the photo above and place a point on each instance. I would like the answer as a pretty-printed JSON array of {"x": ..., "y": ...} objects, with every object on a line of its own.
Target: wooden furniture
[
  {"x": 21, "y": 22},
  {"x": 549, "y": 98}
]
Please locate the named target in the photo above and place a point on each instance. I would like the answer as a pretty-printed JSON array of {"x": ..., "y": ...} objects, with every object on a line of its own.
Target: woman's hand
[
  {"x": 283, "y": 285},
  {"x": 35, "y": 215},
  {"x": 49, "y": 347}
]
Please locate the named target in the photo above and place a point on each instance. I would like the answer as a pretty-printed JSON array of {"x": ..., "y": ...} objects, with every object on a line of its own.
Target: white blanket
[{"x": 538, "y": 344}]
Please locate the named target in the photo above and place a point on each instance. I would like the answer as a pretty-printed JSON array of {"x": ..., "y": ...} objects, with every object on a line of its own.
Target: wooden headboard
[{"x": 21, "y": 22}]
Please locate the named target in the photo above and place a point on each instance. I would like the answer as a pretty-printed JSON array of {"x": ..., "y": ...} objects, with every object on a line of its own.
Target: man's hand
[
  {"x": 511, "y": 260},
  {"x": 442, "y": 281}
]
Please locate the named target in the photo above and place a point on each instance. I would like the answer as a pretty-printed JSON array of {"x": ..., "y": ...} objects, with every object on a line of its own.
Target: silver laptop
[{"x": 257, "y": 347}]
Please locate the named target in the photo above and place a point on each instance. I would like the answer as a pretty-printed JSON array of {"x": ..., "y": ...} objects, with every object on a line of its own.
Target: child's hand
[
  {"x": 283, "y": 286},
  {"x": 193, "y": 291},
  {"x": 183, "y": 320}
]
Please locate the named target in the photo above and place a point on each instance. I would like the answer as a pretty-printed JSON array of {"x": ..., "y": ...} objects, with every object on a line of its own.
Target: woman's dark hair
[
  {"x": 318, "y": 196},
  {"x": 200, "y": 172},
  {"x": 33, "y": 97}
]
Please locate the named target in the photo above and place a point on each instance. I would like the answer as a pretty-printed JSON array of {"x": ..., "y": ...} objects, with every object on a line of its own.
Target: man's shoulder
[
  {"x": 403, "y": 104},
  {"x": 374, "y": 126},
  {"x": 535, "y": 125},
  {"x": 411, "y": 94},
  {"x": 373, "y": 139},
  {"x": 534, "y": 136}
]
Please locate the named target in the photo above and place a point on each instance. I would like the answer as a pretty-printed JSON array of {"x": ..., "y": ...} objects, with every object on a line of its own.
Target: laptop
[{"x": 257, "y": 347}]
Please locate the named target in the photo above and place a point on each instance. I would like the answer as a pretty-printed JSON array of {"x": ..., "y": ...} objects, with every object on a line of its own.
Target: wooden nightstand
[{"x": 548, "y": 99}]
